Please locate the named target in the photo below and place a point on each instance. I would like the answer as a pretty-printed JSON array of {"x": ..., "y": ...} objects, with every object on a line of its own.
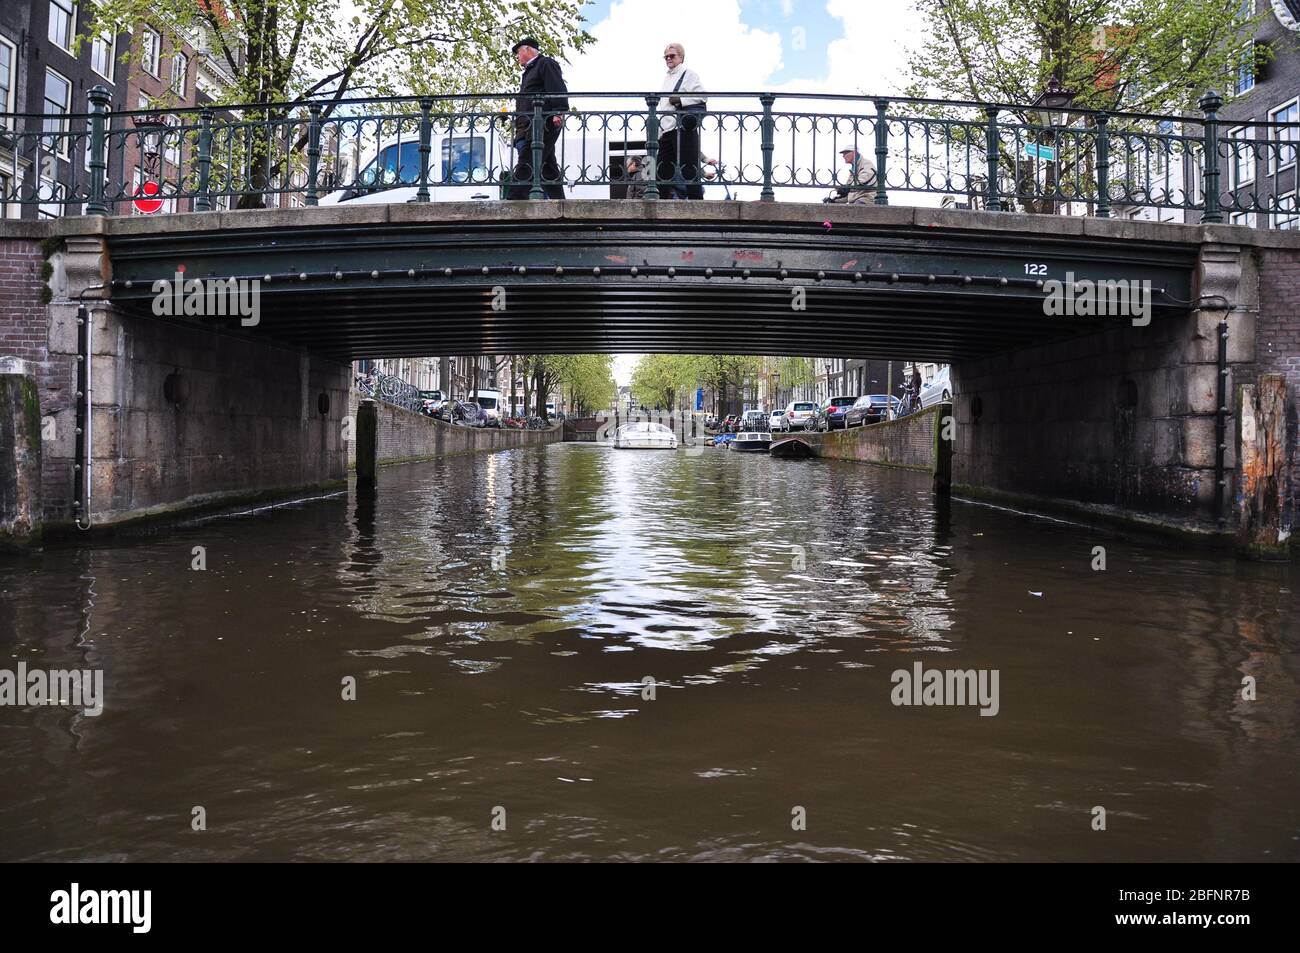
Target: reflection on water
[{"x": 501, "y": 615}]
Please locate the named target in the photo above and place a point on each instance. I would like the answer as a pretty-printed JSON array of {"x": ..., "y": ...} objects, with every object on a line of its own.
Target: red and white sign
[{"x": 144, "y": 200}]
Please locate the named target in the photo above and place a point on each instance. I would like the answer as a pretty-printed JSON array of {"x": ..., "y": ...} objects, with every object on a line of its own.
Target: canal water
[{"x": 650, "y": 655}]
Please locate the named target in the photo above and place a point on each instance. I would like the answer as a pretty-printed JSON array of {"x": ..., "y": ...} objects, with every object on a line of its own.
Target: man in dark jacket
[{"x": 542, "y": 81}]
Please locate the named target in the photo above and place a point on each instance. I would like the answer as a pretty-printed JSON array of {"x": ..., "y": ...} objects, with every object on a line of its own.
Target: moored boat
[{"x": 752, "y": 441}]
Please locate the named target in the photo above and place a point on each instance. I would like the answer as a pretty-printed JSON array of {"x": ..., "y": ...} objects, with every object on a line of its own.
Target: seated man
[{"x": 862, "y": 180}]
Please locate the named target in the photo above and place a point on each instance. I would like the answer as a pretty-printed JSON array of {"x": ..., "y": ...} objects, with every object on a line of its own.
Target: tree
[
  {"x": 285, "y": 51},
  {"x": 1148, "y": 56}
]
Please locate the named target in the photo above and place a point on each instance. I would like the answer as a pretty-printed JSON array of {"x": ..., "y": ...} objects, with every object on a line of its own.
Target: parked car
[
  {"x": 830, "y": 414},
  {"x": 869, "y": 409},
  {"x": 939, "y": 388},
  {"x": 776, "y": 421},
  {"x": 796, "y": 415},
  {"x": 753, "y": 420}
]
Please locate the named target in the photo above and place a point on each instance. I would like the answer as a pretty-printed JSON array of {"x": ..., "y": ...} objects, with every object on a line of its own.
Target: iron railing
[{"x": 420, "y": 149}]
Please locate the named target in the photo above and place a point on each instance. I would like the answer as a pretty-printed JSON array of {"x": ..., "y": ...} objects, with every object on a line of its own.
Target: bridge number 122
[{"x": 1032, "y": 269}]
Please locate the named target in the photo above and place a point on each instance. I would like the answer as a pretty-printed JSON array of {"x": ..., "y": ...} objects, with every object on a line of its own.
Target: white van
[
  {"x": 464, "y": 166},
  {"x": 490, "y": 401}
]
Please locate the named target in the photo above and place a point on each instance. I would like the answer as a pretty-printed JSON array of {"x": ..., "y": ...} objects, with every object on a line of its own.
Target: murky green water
[{"x": 521, "y": 688}]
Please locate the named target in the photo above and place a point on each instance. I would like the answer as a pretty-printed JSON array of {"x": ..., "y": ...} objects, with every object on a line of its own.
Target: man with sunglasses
[{"x": 679, "y": 127}]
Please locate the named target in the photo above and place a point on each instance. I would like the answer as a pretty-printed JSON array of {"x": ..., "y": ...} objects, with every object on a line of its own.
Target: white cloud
[{"x": 720, "y": 47}]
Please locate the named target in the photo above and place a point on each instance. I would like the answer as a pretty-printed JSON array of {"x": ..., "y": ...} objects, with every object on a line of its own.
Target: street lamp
[
  {"x": 1050, "y": 109},
  {"x": 1050, "y": 106}
]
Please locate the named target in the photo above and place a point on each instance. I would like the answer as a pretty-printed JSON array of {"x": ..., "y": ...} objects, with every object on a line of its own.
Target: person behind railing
[
  {"x": 542, "y": 76},
  {"x": 636, "y": 170},
  {"x": 862, "y": 180},
  {"x": 679, "y": 127}
]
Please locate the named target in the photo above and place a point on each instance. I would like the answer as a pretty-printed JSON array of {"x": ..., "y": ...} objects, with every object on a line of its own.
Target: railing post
[
  {"x": 1103, "y": 165},
  {"x": 882, "y": 149},
  {"x": 768, "y": 146},
  {"x": 538, "y": 132},
  {"x": 203, "y": 200},
  {"x": 992, "y": 146},
  {"x": 313, "y": 152},
  {"x": 1210, "y": 104},
  {"x": 100, "y": 100},
  {"x": 426, "y": 136},
  {"x": 652, "y": 147}
]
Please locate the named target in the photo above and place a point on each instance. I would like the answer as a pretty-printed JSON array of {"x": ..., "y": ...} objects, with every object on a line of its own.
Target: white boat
[
  {"x": 751, "y": 441},
  {"x": 645, "y": 436}
]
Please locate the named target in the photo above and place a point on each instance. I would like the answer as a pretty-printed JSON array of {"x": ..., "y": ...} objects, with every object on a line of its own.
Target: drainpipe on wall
[{"x": 83, "y": 455}]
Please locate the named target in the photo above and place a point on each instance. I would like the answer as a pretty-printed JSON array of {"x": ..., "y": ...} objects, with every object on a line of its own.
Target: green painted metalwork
[{"x": 441, "y": 148}]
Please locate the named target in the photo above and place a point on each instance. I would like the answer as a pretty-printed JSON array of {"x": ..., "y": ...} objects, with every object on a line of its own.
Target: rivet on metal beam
[
  {"x": 596, "y": 271},
  {"x": 486, "y": 270},
  {"x": 559, "y": 269},
  {"x": 857, "y": 276},
  {"x": 447, "y": 272},
  {"x": 338, "y": 276},
  {"x": 374, "y": 273},
  {"x": 1002, "y": 282},
  {"x": 708, "y": 272},
  {"x": 128, "y": 283},
  {"x": 672, "y": 272},
  {"x": 966, "y": 279},
  {"x": 1037, "y": 284},
  {"x": 745, "y": 273},
  {"x": 929, "y": 279},
  {"x": 784, "y": 273},
  {"x": 266, "y": 279},
  {"x": 523, "y": 270},
  {"x": 302, "y": 276},
  {"x": 894, "y": 276},
  {"x": 634, "y": 271},
  {"x": 821, "y": 275},
  {"x": 410, "y": 272}
]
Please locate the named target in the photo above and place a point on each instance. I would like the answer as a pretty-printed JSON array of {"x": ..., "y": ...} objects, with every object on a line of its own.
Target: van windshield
[
  {"x": 464, "y": 159},
  {"x": 488, "y": 403}
]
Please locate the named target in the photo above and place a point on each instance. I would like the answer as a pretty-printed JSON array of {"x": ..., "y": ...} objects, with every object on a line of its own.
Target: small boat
[
  {"x": 792, "y": 448},
  {"x": 645, "y": 436},
  {"x": 752, "y": 441}
]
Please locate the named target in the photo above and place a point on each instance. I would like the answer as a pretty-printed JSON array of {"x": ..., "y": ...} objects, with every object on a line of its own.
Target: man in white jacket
[{"x": 679, "y": 128}]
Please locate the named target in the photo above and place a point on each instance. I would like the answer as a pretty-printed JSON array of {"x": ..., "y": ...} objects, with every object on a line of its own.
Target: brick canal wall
[
  {"x": 404, "y": 436},
  {"x": 911, "y": 442},
  {"x": 1122, "y": 423}
]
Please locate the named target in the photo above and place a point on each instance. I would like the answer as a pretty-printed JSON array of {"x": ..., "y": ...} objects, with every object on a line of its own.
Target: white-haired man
[{"x": 679, "y": 127}]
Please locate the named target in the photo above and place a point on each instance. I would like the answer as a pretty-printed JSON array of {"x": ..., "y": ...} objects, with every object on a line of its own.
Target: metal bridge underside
[{"x": 434, "y": 286}]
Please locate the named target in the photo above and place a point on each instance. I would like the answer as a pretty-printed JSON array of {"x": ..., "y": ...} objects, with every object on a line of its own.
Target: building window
[
  {"x": 63, "y": 23},
  {"x": 7, "y": 61},
  {"x": 5, "y": 185},
  {"x": 51, "y": 193},
  {"x": 1241, "y": 218},
  {"x": 150, "y": 50},
  {"x": 1245, "y": 79},
  {"x": 102, "y": 54},
  {"x": 1288, "y": 214},
  {"x": 58, "y": 100},
  {"x": 1282, "y": 155},
  {"x": 1241, "y": 167},
  {"x": 180, "y": 67}
]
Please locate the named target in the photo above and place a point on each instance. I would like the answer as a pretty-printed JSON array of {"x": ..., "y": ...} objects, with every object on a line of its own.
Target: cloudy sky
[
  {"x": 833, "y": 46},
  {"x": 842, "y": 46}
]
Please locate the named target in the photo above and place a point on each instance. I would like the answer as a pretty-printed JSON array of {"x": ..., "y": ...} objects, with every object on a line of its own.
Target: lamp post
[{"x": 1050, "y": 109}]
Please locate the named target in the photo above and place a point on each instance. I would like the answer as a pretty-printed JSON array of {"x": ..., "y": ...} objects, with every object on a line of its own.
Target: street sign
[
  {"x": 699, "y": 398},
  {"x": 144, "y": 201},
  {"x": 1035, "y": 151}
]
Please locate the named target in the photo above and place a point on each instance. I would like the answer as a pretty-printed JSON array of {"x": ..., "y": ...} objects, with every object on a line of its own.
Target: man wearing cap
[
  {"x": 862, "y": 179},
  {"x": 542, "y": 80}
]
